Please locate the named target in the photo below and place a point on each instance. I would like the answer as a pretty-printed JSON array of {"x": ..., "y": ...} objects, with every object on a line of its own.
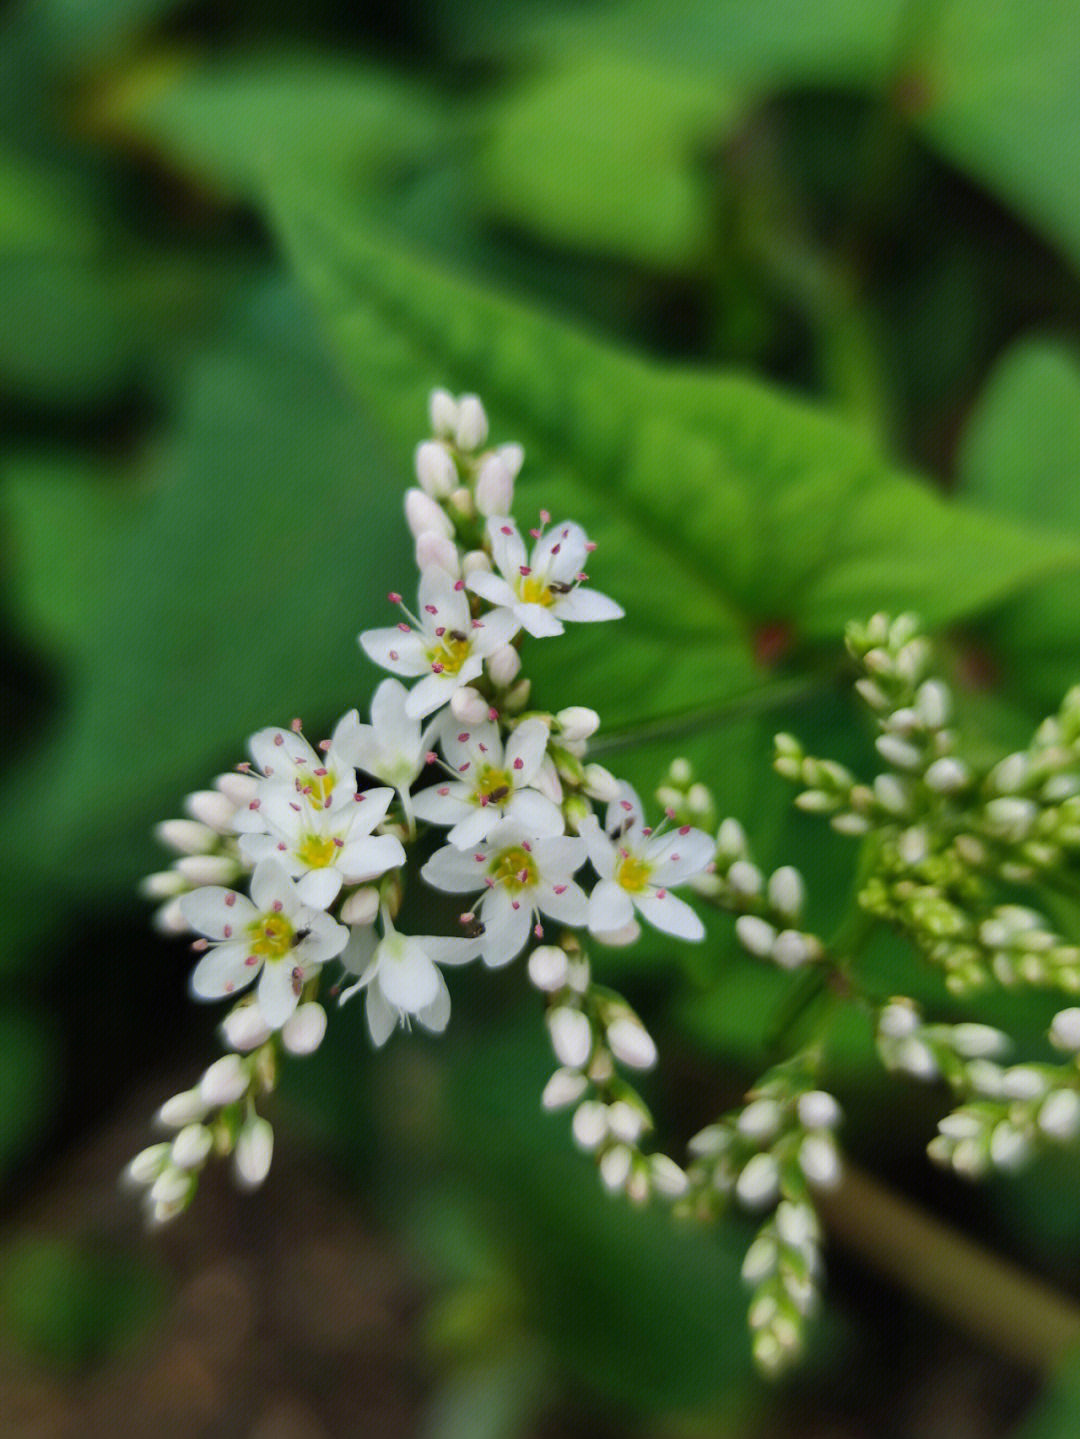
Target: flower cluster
[{"x": 296, "y": 862}]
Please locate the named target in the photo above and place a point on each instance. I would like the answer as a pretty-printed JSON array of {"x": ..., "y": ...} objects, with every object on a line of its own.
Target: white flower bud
[
  {"x": 755, "y": 935},
  {"x": 792, "y": 949},
  {"x": 578, "y": 976},
  {"x": 513, "y": 457},
  {"x": 626, "y": 1121},
  {"x": 166, "y": 884},
  {"x": 172, "y": 1186},
  {"x": 472, "y": 423},
  {"x": 1011, "y": 774},
  {"x": 714, "y": 1139},
  {"x": 225, "y": 1081},
  {"x": 475, "y": 562},
  {"x": 212, "y": 808},
  {"x": 436, "y": 550},
  {"x": 630, "y": 1043},
  {"x": 468, "y": 706},
  {"x": 933, "y": 703},
  {"x": 667, "y": 1178},
  {"x": 759, "y": 1183},
  {"x": 147, "y": 1164},
  {"x": 903, "y": 721},
  {"x": 892, "y": 794},
  {"x": 188, "y": 1107},
  {"x": 637, "y": 1187},
  {"x": 916, "y": 1059},
  {"x": 786, "y": 891},
  {"x": 615, "y": 1165},
  {"x": 898, "y": 1019},
  {"x": 162, "y": 1213},
  {"x": 947, "y": 775},
  {"x": 1023, "y": 1082},
  {"x": 1009, "y": 1146},
  {"x": 423, "y": 514},
  {"x": 494, "y": 486},
  {"x": 566, "y": 1086},
  {"x": 517, "y": 698},
  {"x": 731, "y": 839},
  {"x": 547, "y": 781},
  {"x": 244, "y": 1028},
  {"x": 797, "y": 1224},
  {"x": 442, "y": 411},
  {"x": 601, "y": 784},
  {"x": 361, "y": 907},
  {"x": 960, "y": 1126},
  {"x": 818, "y": 1110},
  {"x": 819, "y": 1160},
  {"x": 548, "y": 968},
  {"x": 169, "y": 919},
  {"x": 589, "y": 1124},
  {"x": 620, "y": 938},
  {"x": 699, "y": 800},
  {"x": 1059, "y": 1115},
  {"x": 254, "y": 1151},
  {"x": 199, "y": 869},
  {"x": 185, "y": 836},
  {"x": 436, "y": 471},
  {"x": 985, "y": 1078},
  {"x": 503, "y": 665},
  {"x": 576, "y": 722},
  {"x": 978, "y": 1041},
  {"x": 1065, "y": 1029},
  {"x": 191, "y": 1146},
  {"x": 760, "y": 1119},
  {"x": 238, "y": 789},
  {"x": 1011, "y": 818},
  {"x": 898, "y": 752},
  {"x": 303, "y": 1031},
  {"x": 913, "y": 845},
  {"x": 571, "y": 1036},
  {"x": 760, "y": 1259},
  {"x": 745, "y": 878},
  {"x": 848, "y": 823}
]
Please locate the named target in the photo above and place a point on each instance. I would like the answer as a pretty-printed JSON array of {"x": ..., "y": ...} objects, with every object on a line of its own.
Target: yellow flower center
[
  {"x": 451, "y": 652},
  {"x": 317, "y": 851},
  {"x": 316, "y": 787},
  {"x": 494, "y": 785},
  {"x": 632, "y": 873},
  {"x": 271, "y": 936},
  {"x": 533, "y": 591},
  {"x": 515, "y": 868}
]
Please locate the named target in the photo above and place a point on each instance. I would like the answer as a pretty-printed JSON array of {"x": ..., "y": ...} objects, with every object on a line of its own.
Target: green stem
[{"x": 1016, "y": 1315}]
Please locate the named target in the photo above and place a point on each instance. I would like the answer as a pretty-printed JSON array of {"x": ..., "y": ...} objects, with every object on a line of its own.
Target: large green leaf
[
  {"x": 720, "y": 503},
  {"x": 607, "y": 155},
  {"x": 267, "y": 532},
  {"x": 1021, "y": 454}
]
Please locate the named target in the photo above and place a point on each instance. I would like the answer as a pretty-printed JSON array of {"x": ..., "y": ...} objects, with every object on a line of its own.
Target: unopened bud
[
  {"x": 172, "y": 1186},
  {"x": 571, "y": 1036},
  {"x": 601, "y": 784},
  {"x": 200, "y": 869},
  {"x": 245, "y": 1028},
  {"x": 503, "y": 665},
  {"x": 898, "y": 752},
  {"x": 494, "y": 487},
  {"x": 516, "y": 699},
  {"x": 745, "y": 878},
  {"x": 185, "y": 836},
  {"x": 589, "y": 1124},
  {"x": 191, "y": 1146},
  {"x": 577, "y": 723},
  {"x": 361, "y": 907},
  {"x": 755, "y": 935},
  {"x": 819, "y": 1160},
  {"x": 513, "y": 457},
  {"x": 615, "y": 1165},
  {"x": 303, "y": 1031},
  {"x": 1059, "y": 1115},
  {"x": 148, "y": 1164},
  {"x": 169, "y": 919},
  {"x": 759, "y": 1183},
  {"x": 435, "y": 550},
  {"x": 818, "y": 1110},
  {"x": 760, "y": 1119},
  {"x": 667, "y": 1178},
  {"x": 468, "y": 706},
  {"x": 254, "y": 1151},
  {"x": 731, "y": 839},
  {"x": 166, "y": 884},
  {"x": 423, "y": 514},
  {"x": 188, "y": 1107},
  {"x": 461, "y": 502},
  {"x": 566, "y": 1086},
  {"x": 626, "y": 1121},
  {"x": 1065, "y": 1029},
  {"x": 435, "y": 469},
  {"x": 225, "y": 1081},
  {"x": 238, "y": 789},
  {"x": 631, "y": 1043},
  {"x": 442, "y": 411},
  {"x": 212, "y": 808},
  {"x": 786, "y": 891},
  {"x": 472, "y": 423},
  {"x": 475, "y": 562},
  {"x": 548, "y": 968}
]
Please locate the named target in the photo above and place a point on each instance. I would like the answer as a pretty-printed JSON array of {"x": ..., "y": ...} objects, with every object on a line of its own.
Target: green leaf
[
  {"x": 1056, "y": 1413},
  {"x": 1021, "y": 455},
  {"x": 728, "y": 503},
  {"x": 30, "y": 1068},
  {"x": 606, "y": 154},
  {"x": 232, "y": 124},
  {"x": 267, "y": 535}
]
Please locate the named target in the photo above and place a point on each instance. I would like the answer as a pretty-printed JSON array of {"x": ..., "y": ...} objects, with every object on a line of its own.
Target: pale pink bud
[
  {"x": 422, "y": 514},
  {"x": 185, "y": 836},
  {"x": 494, "y": 487},
  {"x": 468, "y": 706},
  {"x": 503, "y": 665},
  {"x": 571, "y": 1036},
  {"x": 245, "y": 1028},
  {"x": 472, "y": 423},
  {"x": 238, "y": 789},
  {"x": 631, "y": 1043},
  {"x": 576, "y": 722},
  {"x": 199, "y": 869},
  {"x": 303, "y": 1031},
  {"x": 435, "y": 469},
  {"x": 437, "y": 549},
  {"x": 254, "y": 1151},
  {"x": 211, "y": 807},
  {"x": 442, "y": 411},
  {"x": 225, "y": 1081},
  {"x": 361, "y": 907}
]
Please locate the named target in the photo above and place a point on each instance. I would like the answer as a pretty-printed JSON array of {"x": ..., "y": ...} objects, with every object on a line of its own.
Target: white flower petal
[
  {"x": 319, "y": 887},
  {"x": 279, "y": 751},
  {"x": 600, "y": 849},
  {"x": 492, "y": 588},
  {"x": 441, "y": 602},
  {"x": 676, "y": 857},
  {"x": 381, "y": 1017},
  {"x": 442, "y": 804},
  {"x": 456, "y": 872},
  {"x": 671, "y": 914},
  {"x": 561, "y": 553},
  {"x": 216, "y": 912},
  {"x": 436, "y": 1015},
  {"x": 610, "y": 907},
  {"x": 359, "y": 950},
  {"x": 585, "y": 606},
  {"x": 393, "y": 649},
  {"x": 270, "y": 886},
  {"x": 539, "y": 622},
  {"x": 626, "y": 812},
  {"x": 558, "y": 856},
  {"x": 507, "y": 547},
  {"x": 528, "y": 744},
  {"x": 480, "y": 821},
  {"x": 325, "y": 938},
  {"x": 406, "y": 975},
  {"x": 506, "y": 928},
  {"x": 495, "y": 629},
  {"x": 222, "y": 970},
  {"x": 564, "y": 902},
  {"x": 433, "y": 691},
  {"x": 535, "y": 813},
  {"x": 447, "y": 949},
  {"x": 277, "y": 994}
]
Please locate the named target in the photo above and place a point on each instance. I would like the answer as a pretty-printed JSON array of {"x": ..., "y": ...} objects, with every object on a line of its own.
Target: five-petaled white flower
[
  {"x": 401, "y": 975},
  {"x": 273, "y": 935},
  {"x": 546, "y": 588},
  {"x": 326, "y": 781},
  {"x": 494, "y": 783},
  {"x": 392, "y": 747},
  {"x": 522, "y": 875},
  {"x": 324, "y": 847},
  {"x": 444, "y": 643},
  {"x": 637, "y": 868}
]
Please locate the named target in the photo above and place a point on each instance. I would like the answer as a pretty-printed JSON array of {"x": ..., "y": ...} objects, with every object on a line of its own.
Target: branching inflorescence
[{"x": 291, "y": 876}]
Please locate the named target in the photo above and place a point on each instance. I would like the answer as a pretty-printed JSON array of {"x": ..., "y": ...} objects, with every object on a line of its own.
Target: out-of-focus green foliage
[{"x": 781, "y": 300}]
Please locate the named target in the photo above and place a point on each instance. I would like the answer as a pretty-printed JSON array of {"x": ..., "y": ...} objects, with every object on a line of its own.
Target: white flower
[
  {"x": 274, "y": 935},
  {"x": 495, "y": 784},
  {"x": 290, "y": 765},
  {"x": 326, "y": 847},
  {"x": 392, "y": 748},
  {"x": 637, "y": 869},
  {"x": 522, "y": 875},
  {"x": 400, "y": 973},
  {"x": 445, "y": 644},
  {"x": 546, "y": 588}
]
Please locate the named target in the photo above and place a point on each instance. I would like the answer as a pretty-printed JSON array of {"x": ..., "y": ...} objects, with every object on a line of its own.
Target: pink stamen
[
  {"x": 282, "y": 847},
  {"x": 200, "y": 946},
  {"x": 467, "y": 917},
  {"x": 295, "y": 726},
  {"x": 519, "y": 763},
  {"x": 684, "y": 829},
  {"x": 493, "y": 714},
  {"x": 324, "y": 745},
  {"x": 403, "y": 627},
  {"x": 560, "y": 888},
  {"x": 437, "y": 668},
  {"x": 431, "y": 609},
  {"x": 276, "y": 906},
  {"x": 626, "y": 805},
  {"x": 555, "y": 549},
  {"x": 279, "y": 738},
  {"x": 393, "y": 654},
  {"x": 524, "y": 570},
  {"x": 459, "y": 585},
  {"x": 506, "y": 529},
  {"x": 255, "y": 804},
  {"x": 545, "y": 518},
  {"x": 339, "y": 843},
  {"x": 463, "y": 738},
  {"x": 251, "y": 960},
  {"x": 538, "y": 930},
  {"x": 661, "y": 894},
  {"x": 440, "y": 632},
  {"x": 590, "y": 545},
  {"x": 431, "y": 757},
  {"x": 394, "y": 597},
  {"x": 228, "y": 931},
  {"x": 230, "y": 899},
  {"x": 443, "y": 790}
]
